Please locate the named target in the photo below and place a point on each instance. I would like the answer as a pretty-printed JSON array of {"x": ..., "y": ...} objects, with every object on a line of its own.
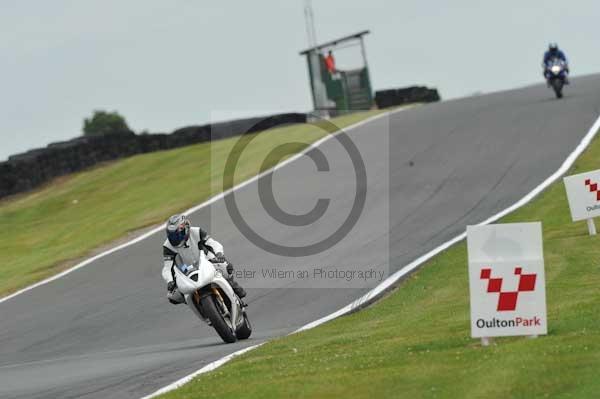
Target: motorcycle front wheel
[
  {"x": 557, "y": 85},
  {"x": 218, "y": 320},
  {"x": 245, "y": 329}
]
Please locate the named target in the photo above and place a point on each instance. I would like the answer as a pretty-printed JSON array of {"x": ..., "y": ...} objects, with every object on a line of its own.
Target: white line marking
[
  {"x": 408, "y": 268},
  {"x": 209, "y": 367},
  {"x": 198, "y": 207}
]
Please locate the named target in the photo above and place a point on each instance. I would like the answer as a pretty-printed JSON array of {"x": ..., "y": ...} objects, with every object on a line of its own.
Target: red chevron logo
[
  {"x": 593, "y": 187},
  {"x": 507, "y": 300}
]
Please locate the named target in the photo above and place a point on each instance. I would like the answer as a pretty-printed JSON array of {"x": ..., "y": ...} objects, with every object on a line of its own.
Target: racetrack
[{"x": 106, "y": 330}]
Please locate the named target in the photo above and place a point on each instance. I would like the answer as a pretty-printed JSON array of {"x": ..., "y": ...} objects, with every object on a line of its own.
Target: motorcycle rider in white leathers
[{"x": 183, "y": 246}]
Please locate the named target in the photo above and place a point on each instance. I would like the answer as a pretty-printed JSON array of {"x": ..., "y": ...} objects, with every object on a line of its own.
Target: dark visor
[{"x": 176, "y": 237}]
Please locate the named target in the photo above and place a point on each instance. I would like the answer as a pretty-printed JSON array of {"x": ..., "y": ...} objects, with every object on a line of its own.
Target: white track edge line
[
  {"x": 569, "y": 161},
  {"x": 209, "y": 367},
  {"x": 202, "y": 205}
]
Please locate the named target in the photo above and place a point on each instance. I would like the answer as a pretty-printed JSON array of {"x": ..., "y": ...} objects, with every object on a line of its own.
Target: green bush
[{"x": 103, "y": 122}]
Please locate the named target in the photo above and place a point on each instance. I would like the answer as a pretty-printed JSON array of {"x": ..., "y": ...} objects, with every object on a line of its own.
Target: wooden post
[
  {"x": 591, "y": 226},
  {"x": 485, "y": 341}
]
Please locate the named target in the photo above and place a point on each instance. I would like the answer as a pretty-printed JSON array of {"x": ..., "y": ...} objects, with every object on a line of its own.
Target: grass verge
[
  {"x": 415, "y": 343},
  {"x": 44, "y": 232}
]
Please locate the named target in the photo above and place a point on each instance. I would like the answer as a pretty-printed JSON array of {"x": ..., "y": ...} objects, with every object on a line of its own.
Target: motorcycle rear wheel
[{"x": 211, "y": 310}]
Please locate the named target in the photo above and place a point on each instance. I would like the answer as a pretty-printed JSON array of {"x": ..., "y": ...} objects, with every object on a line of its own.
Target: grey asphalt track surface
[{"x": 107, "y": 331}]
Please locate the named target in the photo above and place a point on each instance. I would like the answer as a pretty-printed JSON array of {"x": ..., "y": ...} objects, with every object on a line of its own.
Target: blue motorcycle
[{"x": 556, "y": 74}]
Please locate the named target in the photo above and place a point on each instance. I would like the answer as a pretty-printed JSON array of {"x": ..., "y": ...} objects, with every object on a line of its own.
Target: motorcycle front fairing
[
  {"x": 190, "y": 279},
  {"x": 557, "y": 68}
]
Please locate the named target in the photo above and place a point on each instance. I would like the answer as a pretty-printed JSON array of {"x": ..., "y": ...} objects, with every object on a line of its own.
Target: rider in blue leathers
[{"x": 554, "y": 53}]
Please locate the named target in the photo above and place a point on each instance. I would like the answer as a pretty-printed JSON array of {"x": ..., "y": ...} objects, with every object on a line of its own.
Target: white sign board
[
  {"x": 506, "y": 280},
  {"x": 583, "y": 192}
]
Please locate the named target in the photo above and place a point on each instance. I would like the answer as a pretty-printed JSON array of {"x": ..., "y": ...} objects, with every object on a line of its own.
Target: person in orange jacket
[{"x": 330, "y": 62}]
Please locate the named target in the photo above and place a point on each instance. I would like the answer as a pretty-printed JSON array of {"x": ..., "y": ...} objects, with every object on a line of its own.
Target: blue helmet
[
  {"x": 178, "y": 230},
  {"x": 553, "y": 47}
]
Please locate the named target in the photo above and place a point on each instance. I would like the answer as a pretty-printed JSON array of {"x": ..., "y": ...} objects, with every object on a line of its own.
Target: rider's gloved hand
[
  {"x": 174, "y": 296},
  {"x": 219, "y": 258}
]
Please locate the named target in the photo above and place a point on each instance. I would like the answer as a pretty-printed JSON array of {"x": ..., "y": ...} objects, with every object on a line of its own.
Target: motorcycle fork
[
  {"x": 221, "y": 301},
  {"x": 217, "y": 294},
  {"x": 215, "y": 291}
]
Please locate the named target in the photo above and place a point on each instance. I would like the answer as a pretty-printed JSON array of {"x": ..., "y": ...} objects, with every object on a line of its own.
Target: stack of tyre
[
  {"x": 408, "y": 95},
  {"x": 23, "y": 172}
]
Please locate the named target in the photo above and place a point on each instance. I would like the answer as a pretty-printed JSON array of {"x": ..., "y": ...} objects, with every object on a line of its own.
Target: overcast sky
[{"x": 166, "y": 64}]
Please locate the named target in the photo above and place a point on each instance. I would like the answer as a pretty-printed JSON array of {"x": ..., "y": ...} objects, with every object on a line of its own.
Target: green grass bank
[{"x": 50, "y": 229}]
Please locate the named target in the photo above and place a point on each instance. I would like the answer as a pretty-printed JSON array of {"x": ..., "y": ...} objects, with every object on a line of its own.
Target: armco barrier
[
  {"x": 415, "y": 94},
  {"x": 26, "y": 171}
]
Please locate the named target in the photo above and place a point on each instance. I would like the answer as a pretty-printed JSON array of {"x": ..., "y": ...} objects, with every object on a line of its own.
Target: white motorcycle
[{"x": 212, "y": 299}]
